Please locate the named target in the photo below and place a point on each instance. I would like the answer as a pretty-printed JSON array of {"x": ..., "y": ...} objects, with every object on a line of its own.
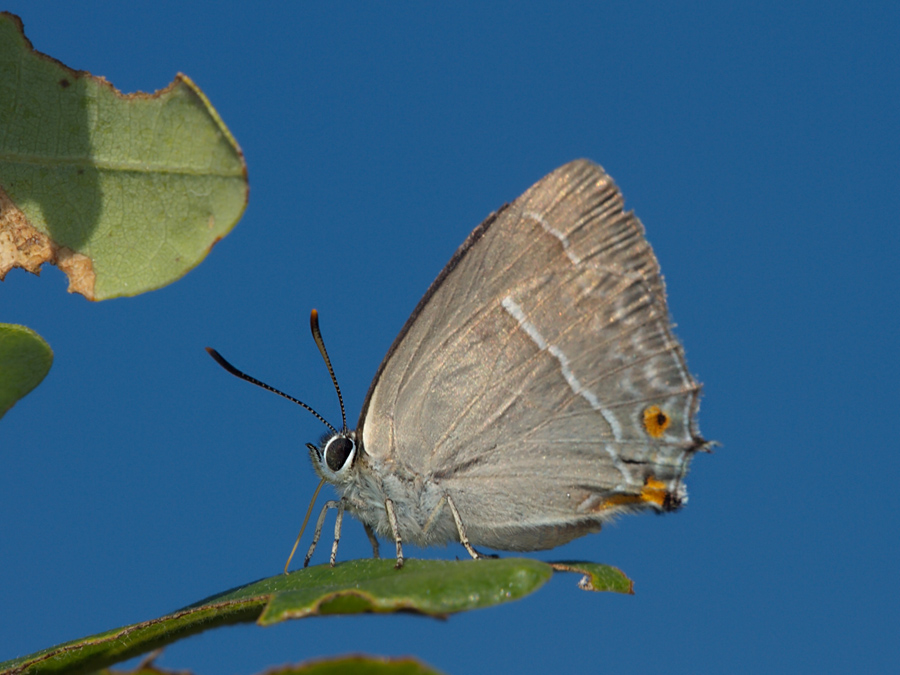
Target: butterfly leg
[
  {"x": 395, "y": 528},
  {"x": 370, "y": 533},
  {"x": 331, "y": 504},
  {"x": 463, "y": 539},
  {"x": 337, "y": 531}
]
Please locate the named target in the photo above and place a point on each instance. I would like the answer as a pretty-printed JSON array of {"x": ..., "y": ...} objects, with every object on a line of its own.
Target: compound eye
[{"x": 337, "y": 452}]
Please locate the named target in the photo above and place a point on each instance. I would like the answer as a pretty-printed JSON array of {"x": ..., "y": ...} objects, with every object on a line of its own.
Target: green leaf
[
  {"x": 25, "y": 359},
  {"x": 430, "y": 587},
  {"x": 125, "y": 193},
  {"x": 598, "y": 577},
  {"x": 355, "y": 665}
]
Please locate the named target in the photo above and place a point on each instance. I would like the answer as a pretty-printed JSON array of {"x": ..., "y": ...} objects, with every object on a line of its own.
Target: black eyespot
[{"x": 337, "y": 451}]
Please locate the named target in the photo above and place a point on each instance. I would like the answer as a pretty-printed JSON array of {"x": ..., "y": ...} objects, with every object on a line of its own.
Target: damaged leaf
[{"x": 124, "y": 192}]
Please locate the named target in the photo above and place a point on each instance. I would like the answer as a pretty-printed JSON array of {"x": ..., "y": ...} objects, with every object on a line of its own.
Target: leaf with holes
[{"x": 124, "y": 193}]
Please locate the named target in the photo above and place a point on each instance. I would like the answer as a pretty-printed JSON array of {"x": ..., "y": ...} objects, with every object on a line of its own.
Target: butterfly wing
[{"x": 538, "y": 382}]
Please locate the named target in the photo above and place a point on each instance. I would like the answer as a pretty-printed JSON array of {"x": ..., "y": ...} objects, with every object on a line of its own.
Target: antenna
[
  {"x": 252, "y": 380},
  {"x": 320, "y": 343}
]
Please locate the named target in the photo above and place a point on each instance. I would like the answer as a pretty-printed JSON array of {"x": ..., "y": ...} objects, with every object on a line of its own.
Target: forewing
[{"x": 538, "y": 379}]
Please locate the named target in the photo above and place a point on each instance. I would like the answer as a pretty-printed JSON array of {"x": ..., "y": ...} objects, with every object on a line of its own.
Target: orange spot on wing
[
  {"x": 656, "y": 421},
  {"x": 653, "y": 492}
]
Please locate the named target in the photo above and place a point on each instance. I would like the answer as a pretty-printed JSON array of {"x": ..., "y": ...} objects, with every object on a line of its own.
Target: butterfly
[{"x": 535, "y": 392}]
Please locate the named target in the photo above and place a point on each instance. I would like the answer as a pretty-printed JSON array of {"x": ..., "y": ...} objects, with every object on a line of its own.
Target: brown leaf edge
[{"x": 22, "y": 245}]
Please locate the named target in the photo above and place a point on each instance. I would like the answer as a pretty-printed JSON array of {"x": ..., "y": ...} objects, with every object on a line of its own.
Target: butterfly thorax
[{"x": 365, "y": 484}]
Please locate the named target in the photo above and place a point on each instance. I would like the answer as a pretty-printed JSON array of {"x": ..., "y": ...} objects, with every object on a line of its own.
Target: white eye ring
[{"x": 338, "y": 454}]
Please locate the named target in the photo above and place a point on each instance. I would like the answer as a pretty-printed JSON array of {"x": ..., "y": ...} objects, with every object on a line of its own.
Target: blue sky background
[{"x": 758, "y": 142}]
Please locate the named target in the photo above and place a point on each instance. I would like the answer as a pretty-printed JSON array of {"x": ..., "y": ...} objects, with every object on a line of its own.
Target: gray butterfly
[{"x": 536, "y": 391}]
